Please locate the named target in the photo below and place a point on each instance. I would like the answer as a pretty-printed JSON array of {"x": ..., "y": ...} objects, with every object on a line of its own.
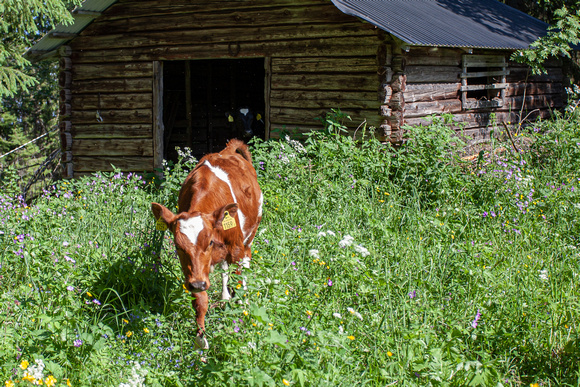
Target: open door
[{"x": 202, "y": 100}]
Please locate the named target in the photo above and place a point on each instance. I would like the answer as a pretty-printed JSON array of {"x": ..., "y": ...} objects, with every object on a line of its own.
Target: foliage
[
  {"x": 360, "y": 274},
  {"x": 559, "y": 41}
]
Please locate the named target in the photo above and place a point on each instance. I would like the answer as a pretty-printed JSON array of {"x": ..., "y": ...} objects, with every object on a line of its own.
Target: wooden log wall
[
  {"x": 427, "y": 81},
  {"x": 318, "y": 58}
]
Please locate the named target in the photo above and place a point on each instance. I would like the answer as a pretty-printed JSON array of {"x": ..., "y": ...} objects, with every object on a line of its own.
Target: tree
[{"x": 22, "y": 23}]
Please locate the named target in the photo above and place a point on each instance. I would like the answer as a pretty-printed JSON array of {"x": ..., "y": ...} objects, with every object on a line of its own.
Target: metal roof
[
  {"x": 449, "y": 23},
  {"x": 61, "y": 34},
  {"x": 444, "y": 23}
]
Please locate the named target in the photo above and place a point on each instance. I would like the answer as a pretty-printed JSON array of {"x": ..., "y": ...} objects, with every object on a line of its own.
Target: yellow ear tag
[
  {"x": 258, "y": 117},
  {"x": 228, "y": 222},
  {"x": 230, "y": 118},
  {"x": 160, "y": 225}
]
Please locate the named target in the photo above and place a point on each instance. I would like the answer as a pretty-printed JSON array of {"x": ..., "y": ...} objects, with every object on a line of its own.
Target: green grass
[{"x": 454, "y": 274}]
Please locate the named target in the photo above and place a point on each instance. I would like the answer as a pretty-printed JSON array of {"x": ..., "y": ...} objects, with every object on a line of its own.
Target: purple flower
[
  {"x": 329, "y": 282},
  {"x": 70, "y": 288},
  {"x": 236, "y": 329},
  {"x": 485, "y": 214},
  {"x": 95, "y": 301},
  {"x": 476, "y": 319},
  {"x": 78, "y": 343},
  {"x": 492, "y": 214},
  {"x": 412, "y": 294}
]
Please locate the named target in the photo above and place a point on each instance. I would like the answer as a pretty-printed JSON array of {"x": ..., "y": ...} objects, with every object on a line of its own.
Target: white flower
[
  {"x": 364, "y": 252},
  {"x": 252, "y": 345},
  {"x": 36, "y": 371},
  {"x": 355, "y": 313},
  {"x": 314, "y": 253},
  {"x": 321, "y": 234},
  {"x": 337, "y": 315},
  {"x": 341, "y": 329},
  {"x": 544, "y": 275},
  {"x": 137, "y": 378},
  {"x": 346, "y": 241},
  {"x": 331, "y": 233}
]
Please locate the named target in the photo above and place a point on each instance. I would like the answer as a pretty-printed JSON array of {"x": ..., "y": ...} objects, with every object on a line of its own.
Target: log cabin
[{"x": 140, "y": 77}]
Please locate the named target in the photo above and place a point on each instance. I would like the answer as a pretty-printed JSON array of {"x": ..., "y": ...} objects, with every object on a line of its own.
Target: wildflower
[
  {"x": 245, "y": 312},
  {"x": 352, "y": 311},
  {"x": 34, "y": 372},
  {"x": 364, "y": 252},
  {"x": 78, "y": 343},
  {"x": 331, "y": 233},
  {"x": 350, "y": 337},
  {"x": 314, "y": 253},
  {"x": 389, "y": 353},
  {"x": 329, "y": 283},
  {"x": 476, "y": 319},
  {"x": 70, "y": 288},
  {"x": 337, "y": 315},
  {"x": 286, "y": 292},
  {"x": 252, "y": 345},
  {"x": 346, "y": 241},
  {"x": 286, "y": 383},
  {"x": 340, "y": 329},
  {"x": 412, "y": 294},
  {"x": 68, "y": 383},
  {"x": 321, "y": 234},
  {"x": 89, "y": 294},
  {"x": 129, "y": 334},
  {"x": 145, "y": 330},
  {"x": 95, "y": 301},
  {"x": 50, "y": 381},
  {"x": 9, "y": 383},
  {"x": 544, "y": 275},
  {"x": 24, "y": 364}
]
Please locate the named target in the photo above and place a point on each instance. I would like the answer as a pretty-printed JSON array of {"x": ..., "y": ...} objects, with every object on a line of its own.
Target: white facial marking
[
  {"x": 244, "y": 111},
  {"x": 261, "y": 204},
  {"x": 223, "y": 176},
  {"x": 191, "y": 228}
]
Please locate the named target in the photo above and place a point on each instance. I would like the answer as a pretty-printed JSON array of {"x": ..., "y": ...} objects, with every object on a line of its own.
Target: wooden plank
[
  {"x": 112, "y": 70},
  {"x": 472, "y": 103},
  {"x": 480, "y": 74},
  {"x": 129, "y": 85},
  {"x": 421, "y": 92},
  {"x": 105, "y": 101},
  {"x": 116, "y": 147},
  {"x": 325, "y": 99},
  {"x": 93, "y": 164},
  {"x": 291, "y": 116},
  {"x": 330, "y": 65},
  {"x": 346, "y": 82},
  {"x": 158, "y": 128},
  {"x": 484, "y": 61},
  {"x": 428, "y": 56},
  {"x": 432, "y": 74},
  {"x": 107, "y": 131},
  {"x": 267, "y": 95},
  {"x": 136, "y": 116},
  {"x": 223, "y": 34},
  {"x": 491, "y": 86},
  {"x": 144, "y": 8},
  {"x": 418, "y": 109},
  {"x": 542, "y": 101},
  {"x": 240, "y": 17},
  {"x": 519, "y": 74},
  {"x": 534, "y": 88},
  {"x": 294, "y": 48}
]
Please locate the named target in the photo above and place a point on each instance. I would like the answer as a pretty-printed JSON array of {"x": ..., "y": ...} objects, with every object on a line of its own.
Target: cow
[
  {"x": 246, "y": 123},
  {"x": 220, "y": 208}
]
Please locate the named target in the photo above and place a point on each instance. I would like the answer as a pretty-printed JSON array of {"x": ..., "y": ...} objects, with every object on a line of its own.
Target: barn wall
[
  {"x": 319, "y": 59},
  {"x": 427, "y": 81}
]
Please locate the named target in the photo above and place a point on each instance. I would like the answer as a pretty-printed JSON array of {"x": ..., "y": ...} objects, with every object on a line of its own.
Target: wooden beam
[{"x": 158, "y": 128}]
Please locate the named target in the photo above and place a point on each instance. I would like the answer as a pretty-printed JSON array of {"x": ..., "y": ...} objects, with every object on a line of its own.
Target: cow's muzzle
[{"x": 198, "y": 286}]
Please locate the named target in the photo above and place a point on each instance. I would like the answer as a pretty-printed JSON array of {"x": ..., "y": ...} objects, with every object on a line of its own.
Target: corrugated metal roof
[
  {"x": 449, "y": 23},
  {"x": 444, "y": 23},
  {"x": 61, "y": 34}
]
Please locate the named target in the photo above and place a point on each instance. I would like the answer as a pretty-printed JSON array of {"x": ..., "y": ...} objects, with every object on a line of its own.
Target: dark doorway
[{"x": 198, "y": 96}]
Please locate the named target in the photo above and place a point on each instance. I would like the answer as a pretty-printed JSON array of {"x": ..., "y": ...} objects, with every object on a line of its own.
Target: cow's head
[{"x": 200, "y": 240}]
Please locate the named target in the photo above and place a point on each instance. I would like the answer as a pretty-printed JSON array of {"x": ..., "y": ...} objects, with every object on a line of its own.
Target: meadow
[{"x": 372, "y": 267}]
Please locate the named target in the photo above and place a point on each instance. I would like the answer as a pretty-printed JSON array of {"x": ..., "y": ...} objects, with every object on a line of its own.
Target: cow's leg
[
  {"x": 200, "y": 305},
  {"x": 225, "y": 278}
]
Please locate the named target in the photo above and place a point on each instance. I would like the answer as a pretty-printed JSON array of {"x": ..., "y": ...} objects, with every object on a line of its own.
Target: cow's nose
[{"x": 197, "y": 286}]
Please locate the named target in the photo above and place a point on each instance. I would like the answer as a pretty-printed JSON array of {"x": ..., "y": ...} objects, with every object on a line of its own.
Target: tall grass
[{"x": 371, "y": 267}]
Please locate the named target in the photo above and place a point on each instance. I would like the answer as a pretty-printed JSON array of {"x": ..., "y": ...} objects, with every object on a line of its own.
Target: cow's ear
[
  {"x": 165, "y": 218},
  {"x": 225, "y": 216}
]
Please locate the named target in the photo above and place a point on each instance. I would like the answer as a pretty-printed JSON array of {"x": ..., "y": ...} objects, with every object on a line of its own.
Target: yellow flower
[
  {"x": 126, "y": 321},
  {"x": 89, "y": 294},
  {"x": 129, "y": 333},
  {"x": 9, "y": 383},
  {"x": 50, "y": 381},
  {"x": 286, "y": 292},
  {"x": 350, "y": 337},
  {"x": 309, "y": 313},
  {"x": 145, "y": 330},
  {"x": 245, "y": 312},
  {"x": 286, "y": 383},
  {"x": 24, "y": 364},
  {"x": 534, "y": 385},
  {"x": 68, "y": 383},
  {"x": 389, "y": 353}
]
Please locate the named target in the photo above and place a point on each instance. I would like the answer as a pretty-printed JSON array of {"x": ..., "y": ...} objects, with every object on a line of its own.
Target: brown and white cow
[{"x": 220, "y": 206}]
